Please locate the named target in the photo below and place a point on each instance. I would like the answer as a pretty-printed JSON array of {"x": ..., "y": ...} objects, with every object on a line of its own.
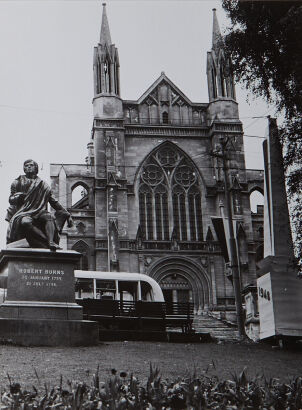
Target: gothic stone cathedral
[{"x": 152, "y": 194}]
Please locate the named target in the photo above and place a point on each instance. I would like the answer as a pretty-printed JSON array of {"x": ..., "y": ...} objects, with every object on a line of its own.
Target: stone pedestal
[
  {"x": 279, "y": 298},
  {"x": 278, "y": 285},
  {"x": 39, "y": 300}
]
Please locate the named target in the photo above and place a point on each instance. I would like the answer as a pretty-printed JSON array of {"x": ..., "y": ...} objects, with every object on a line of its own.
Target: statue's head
[{"x": 31, "y": 167}]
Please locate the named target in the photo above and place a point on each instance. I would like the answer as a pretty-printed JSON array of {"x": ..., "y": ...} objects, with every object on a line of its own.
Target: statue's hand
[
  {"x": 19, "y": 194},
  {"x": 19, "y": 197}
]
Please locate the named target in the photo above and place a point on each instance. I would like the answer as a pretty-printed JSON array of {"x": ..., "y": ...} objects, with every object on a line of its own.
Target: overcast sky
[{"x": 46, "y": 76}]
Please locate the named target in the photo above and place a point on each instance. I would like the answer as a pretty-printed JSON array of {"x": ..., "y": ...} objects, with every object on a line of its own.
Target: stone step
[
  {"x": 216, "y": 333},
  {"x": 214, "y": 324},
  {"x": 222, "y": 332},
  {"x": 212, "y": 321},
  {"x": 215, "y": 327}
]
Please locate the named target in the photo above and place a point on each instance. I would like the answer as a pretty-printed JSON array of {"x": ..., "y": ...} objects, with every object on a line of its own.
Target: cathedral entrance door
[
  {"x": 176, "y": 289},
  {"x": 168, "y": 295},
  {"x": 183, "y": 296},
  {"x": 182, "y": 280}
]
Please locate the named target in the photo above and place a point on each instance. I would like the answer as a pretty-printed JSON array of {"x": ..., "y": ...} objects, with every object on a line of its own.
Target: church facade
[{"x": 152, "y": 191}]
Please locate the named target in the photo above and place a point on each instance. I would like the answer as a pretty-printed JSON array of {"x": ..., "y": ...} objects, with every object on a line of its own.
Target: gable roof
[{"x": 163, "y": 78}]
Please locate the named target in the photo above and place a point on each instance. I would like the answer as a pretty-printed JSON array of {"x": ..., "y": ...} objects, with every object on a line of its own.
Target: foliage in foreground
[{"x": 123, "y": 392}]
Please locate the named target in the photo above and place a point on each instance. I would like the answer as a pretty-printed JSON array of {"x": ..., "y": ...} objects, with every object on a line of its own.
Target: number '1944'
[{"x": 263, "y": 293}]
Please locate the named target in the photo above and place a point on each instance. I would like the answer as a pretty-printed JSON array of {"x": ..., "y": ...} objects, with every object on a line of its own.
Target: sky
[{"x": 46, "y": 74}]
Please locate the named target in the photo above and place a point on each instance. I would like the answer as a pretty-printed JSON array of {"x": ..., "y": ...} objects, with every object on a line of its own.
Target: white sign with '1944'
[{"x": 266, "y": 306}]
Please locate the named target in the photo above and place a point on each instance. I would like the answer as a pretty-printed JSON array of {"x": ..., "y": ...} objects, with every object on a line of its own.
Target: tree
[{"x": 265, "y": 47}]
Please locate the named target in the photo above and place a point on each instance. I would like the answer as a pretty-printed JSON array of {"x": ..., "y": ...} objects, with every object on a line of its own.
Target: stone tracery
[{"x": 169, "y": 196}]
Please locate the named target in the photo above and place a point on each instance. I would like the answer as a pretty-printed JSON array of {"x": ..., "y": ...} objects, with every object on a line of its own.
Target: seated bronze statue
[{"x": 27, "y": 214}]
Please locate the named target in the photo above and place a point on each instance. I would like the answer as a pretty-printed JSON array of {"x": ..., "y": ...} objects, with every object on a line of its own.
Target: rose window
[
  {"x": 152, "y": 174},
  {"x": 184, "y": 175},
  {"x": 167, "y": 157}
]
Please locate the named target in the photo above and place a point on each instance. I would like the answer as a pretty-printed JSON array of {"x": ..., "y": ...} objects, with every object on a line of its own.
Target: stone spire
[
  {"x": 219, "y": 73},
  {"x": 105, "y": 37},
  {"x": 106, "y": 64},
  {"x": 216, "y": 35}
]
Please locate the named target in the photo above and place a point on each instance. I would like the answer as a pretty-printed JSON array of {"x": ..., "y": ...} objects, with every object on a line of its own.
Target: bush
[{"x": 125, "y": 392}]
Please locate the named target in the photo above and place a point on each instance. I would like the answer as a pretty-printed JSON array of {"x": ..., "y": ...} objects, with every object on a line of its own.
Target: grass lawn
[{"x": 21, "y": 363}]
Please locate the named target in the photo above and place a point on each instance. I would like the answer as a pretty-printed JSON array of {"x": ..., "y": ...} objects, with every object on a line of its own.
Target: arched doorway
[
  {"x": 183, "y": 280},
  {"x": 176, "y": 288}
]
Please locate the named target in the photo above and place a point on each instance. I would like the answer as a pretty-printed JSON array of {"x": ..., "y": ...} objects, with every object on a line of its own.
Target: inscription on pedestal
[
  {"x": 41, "y": 277},
  {"x": 33, "y": 281}
]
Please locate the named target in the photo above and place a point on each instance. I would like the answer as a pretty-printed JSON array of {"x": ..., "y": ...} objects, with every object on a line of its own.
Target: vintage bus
[
  {"x": 120, "y": 286},
  {"x": 123, "y": 300}
]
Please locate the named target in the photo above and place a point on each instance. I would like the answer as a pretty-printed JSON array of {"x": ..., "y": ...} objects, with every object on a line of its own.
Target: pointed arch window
[
  {"x": 179, "y": 212},
  {"x": 161, "y": 212},
  {"x": 222, "y": 82},
  {"x": 195, "y": 210},
  {"x": 165, "y": 117},
  {"x": 107, "y": 76},
  {"x": 98, "y": 77},
  {"x": 170, "y": 197},
  {"x": 80, "y": 197},
  {"x": 145, "y": 210},
  {"x": 214, "y": 85},
  {"x": 82, "y": 248}
]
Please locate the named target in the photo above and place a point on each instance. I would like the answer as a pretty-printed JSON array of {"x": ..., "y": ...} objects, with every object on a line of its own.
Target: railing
[
  {"x": 139, "y": 314},
  {"x": 197, "y": 122},
  {"x": 182, "y": 245},
  {"x": 211, "y": 246},
  {"x": 161, "y": 245},
  {"x": 135, "y": 308}
]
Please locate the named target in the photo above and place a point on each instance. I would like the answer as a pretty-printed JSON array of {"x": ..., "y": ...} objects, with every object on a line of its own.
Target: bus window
[
  {"x": 84, "y": 288},
  {"x": 147, "y": 293},
  {"x": 128, "y": 290},
  {"x": 105, "y": 289}
]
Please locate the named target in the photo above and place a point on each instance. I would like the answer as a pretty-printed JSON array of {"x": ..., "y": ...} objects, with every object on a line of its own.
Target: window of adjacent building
[
  {"x": 170, "y": 197},
  {"x": 256, "y": 201},
  {"x": 79, "y": 197}
]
